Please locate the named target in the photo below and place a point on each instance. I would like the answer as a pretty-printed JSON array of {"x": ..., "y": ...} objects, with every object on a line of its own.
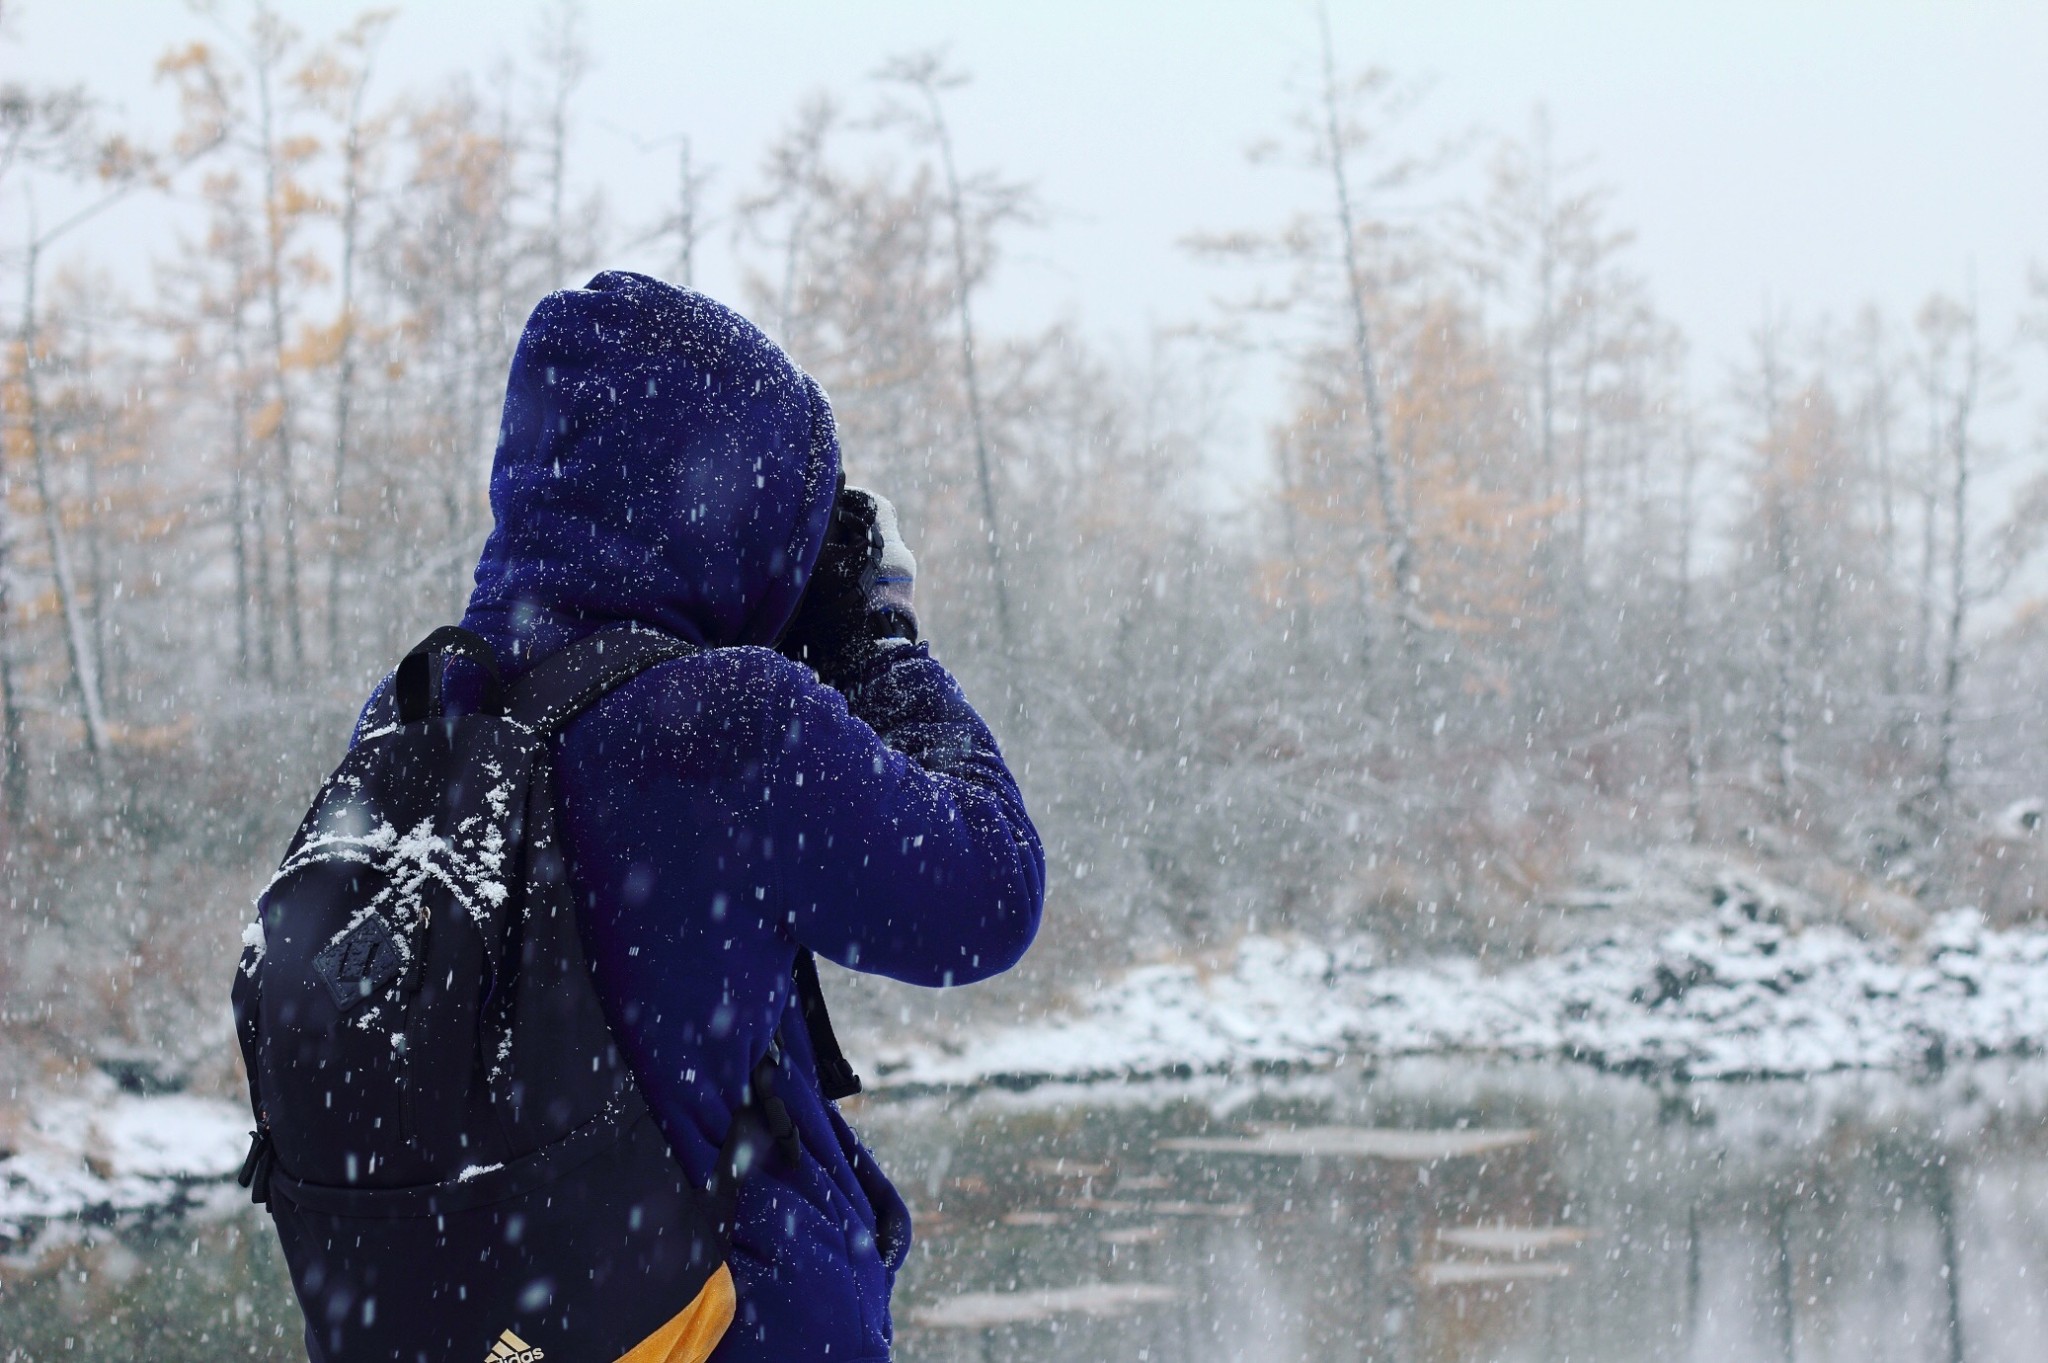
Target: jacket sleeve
[{"x": 913, "y": 856}]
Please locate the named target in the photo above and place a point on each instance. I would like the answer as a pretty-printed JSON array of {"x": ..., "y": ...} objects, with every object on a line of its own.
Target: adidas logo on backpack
[
  {"x": 510, "y": 1348},
  {"x": 448, "y": 1137}
]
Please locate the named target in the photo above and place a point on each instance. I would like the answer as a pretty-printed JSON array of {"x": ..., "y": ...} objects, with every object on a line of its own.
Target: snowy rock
[
  {"x": 101, "y": 1149},
  {"x": 2021, "y": 820},
  {"x": 139, "y": 1069}
]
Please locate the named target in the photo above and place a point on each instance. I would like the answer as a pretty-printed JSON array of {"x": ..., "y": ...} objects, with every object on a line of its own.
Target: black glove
[{"x": 859, "y": 593}]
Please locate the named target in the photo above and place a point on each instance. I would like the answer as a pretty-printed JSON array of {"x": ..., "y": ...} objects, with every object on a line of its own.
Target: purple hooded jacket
[{"x": 662, "y": 461}]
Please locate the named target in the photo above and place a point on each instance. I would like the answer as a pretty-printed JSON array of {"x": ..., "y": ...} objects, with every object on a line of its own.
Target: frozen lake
[{"x": 1428, "y": 1210}]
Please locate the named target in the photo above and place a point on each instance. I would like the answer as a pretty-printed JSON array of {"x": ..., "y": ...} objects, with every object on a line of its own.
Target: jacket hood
[{"x": 660, "y": 460}]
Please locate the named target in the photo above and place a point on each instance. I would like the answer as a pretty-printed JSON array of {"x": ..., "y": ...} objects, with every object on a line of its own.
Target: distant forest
[{"x": 1513, "y": 595}]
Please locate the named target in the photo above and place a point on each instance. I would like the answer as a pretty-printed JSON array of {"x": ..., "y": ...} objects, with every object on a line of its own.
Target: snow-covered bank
[
  {"x": 99, "y": 1150},
  {"x": 1718, "y": 997}
]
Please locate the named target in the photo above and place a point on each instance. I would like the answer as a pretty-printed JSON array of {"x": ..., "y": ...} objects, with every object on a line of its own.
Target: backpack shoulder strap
[
  {"x": 836, "y": 1078},
  {"x": 555, "y": 691},
  {"x": 563, "y": 684}
]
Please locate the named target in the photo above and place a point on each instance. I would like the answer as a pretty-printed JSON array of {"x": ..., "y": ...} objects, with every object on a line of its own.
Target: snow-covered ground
[
  {"x": 97, "y": 1149},
  {"x": 1721, "y": 996}
]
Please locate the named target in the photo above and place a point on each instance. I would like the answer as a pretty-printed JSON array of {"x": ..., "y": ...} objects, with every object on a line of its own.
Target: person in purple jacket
[{"x": 662, "y": 461}]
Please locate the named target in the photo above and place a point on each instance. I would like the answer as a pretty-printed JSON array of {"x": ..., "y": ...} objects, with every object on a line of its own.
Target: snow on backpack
[{"x": 458, "y": 1162}]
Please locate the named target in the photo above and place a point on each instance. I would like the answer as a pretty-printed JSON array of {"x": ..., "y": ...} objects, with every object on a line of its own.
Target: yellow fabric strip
[{"x": 692, "y": 1333}]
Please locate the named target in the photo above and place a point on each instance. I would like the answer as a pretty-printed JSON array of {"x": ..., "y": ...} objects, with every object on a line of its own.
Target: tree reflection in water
[
  {"x": 1523, "y": 1212},
  {"x": 1430, "y": 1212}
]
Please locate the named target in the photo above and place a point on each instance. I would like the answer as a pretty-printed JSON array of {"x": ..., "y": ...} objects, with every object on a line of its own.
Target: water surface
[{"x": 1424, "y": 1211}]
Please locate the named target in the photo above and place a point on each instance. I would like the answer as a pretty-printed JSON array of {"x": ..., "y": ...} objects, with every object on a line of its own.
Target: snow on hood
[{"x": 660, "y": 460}]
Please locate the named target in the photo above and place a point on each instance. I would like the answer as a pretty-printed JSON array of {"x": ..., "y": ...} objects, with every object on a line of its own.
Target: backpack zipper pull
[
  {"x": 774, "y": 1111},
  {"x": 255, "y": 1175}
]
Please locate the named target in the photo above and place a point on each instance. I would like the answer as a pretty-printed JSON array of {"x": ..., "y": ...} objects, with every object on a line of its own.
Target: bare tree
[
  {"x": 1683, "y": 670},
  {"x": 13, "y": 760},
  {"x": 1954, "y": 372},
  {"x": 564, "y": 58},
  {"x": 85, "y": 672},
  {"x": 38, "y": 129},
  {"x": 457, "y": 269},
  {"x": 928, "y": 77},
  {"x": 688, "y": 222},
  {"x": 855, "y": 260},
  {"x": 235, "y": 100},
  {"x": 1769, "y": 389},
  {"x": 339, "y": 79},
  {"x": 278, "y": 156},
  {"x": 118, "y": 169},
  {"x": 1522, "y": 243},
  {"x": 1340, "y": 137},
  {"x": 1876, "y": 375},
  {"x": 689, "y": 219},
  {"x": 780, "y": 214}
]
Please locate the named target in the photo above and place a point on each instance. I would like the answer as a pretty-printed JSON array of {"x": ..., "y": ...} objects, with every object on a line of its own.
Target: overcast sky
[{"x": 1813, "y": 154}]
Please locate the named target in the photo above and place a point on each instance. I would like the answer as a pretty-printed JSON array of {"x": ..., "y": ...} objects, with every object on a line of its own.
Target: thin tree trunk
[
  {"x": 1295, "y": 583},
  {"x": 283, "y": 467},
  {"x": 686, "y": 223},
  {"x": 1929, "y": 554},
  {"x": 1784, "y": 696},
  {"x": 1695, "y": 758},
  {"x": 13, "y": 757},
  {"x": 1546, "y": 316},
  {"x": 792, "y": 258},
  {"x": 1881, "y": 435},
  {"x": 281, "y": 436},
  {"x": 238, "y": 521},
  {"x": 345, "y": 361},
  {"x": 1784, "y": 726},
  {"x": 344, "y": 398},
  {"x": 1786, "y": 1310},
  {"x": 567, "y": 59},
  {"x": 1400, "y": 543},
  {"x": 94, "y": 529},
  {"x": 77, "y": 636},
  {"x": 1692, "y": 1274},
  {"x": 252, "y": 502},
  {"x": 95, "y": 562},
  {"x": 1944, "y": 1199},
  {"x": 1583, "y": 450},
  {"x": 1958, "y": 566},
  {"x": 970, "y": 376},
  {"x": 1879, "y": 413},
  {"x": 558, "y": 174}
]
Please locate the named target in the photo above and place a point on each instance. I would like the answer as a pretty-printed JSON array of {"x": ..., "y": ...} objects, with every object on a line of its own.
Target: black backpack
[{"x": 456, "y": 1157}]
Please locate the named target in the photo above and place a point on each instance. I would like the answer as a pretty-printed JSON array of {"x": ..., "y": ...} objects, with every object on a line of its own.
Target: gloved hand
[
  {"x": 895, "y": 577},
  {"x": 859, "y": 595}
]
